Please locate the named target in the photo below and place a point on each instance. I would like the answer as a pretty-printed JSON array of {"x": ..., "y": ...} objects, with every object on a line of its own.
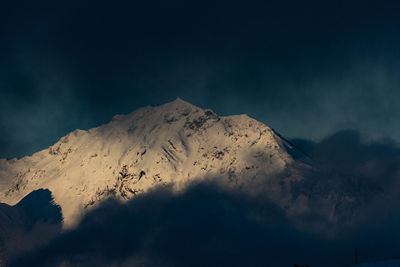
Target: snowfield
[{"x": 174, "y": 145}]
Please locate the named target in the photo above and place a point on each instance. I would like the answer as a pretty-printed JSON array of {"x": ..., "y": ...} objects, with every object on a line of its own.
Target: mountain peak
[
  {"x": 173, "y": 144},
  {"x": 178, "y": 104},
  {"x": 179, "y": 101}
]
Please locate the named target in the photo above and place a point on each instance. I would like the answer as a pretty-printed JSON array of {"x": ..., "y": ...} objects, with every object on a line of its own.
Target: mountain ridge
[{"x": 174, "y": 144}]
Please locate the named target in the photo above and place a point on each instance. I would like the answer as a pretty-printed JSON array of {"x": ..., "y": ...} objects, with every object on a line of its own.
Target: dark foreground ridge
[{"x": 30, "y": 223}]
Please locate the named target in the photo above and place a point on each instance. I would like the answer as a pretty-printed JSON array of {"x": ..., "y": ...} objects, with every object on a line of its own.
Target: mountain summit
[{"x": 174, "y": 145}]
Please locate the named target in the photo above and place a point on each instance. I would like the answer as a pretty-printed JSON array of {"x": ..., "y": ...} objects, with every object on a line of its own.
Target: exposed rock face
[{"x": 173, "y": 144}]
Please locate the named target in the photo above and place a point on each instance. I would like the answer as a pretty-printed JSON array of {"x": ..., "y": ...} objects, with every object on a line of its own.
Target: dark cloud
[
  {"x": 306, "y": 69},
  {"x": 206, "y": 226},
  {"x": 361, "y": 176},
  {"x": 347, "y": 154},
  {"x": 203, "y": 226}
]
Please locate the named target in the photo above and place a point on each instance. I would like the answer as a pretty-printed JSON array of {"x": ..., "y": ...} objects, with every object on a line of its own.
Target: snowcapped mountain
[{"x": 174, "y": 144}]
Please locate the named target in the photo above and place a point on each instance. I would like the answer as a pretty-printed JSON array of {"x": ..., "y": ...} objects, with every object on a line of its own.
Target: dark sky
[{"x": 305, "y": 68}]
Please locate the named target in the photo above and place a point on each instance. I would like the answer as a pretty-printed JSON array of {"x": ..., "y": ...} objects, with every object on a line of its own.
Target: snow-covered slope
[{"x": 172, "y": 144}]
